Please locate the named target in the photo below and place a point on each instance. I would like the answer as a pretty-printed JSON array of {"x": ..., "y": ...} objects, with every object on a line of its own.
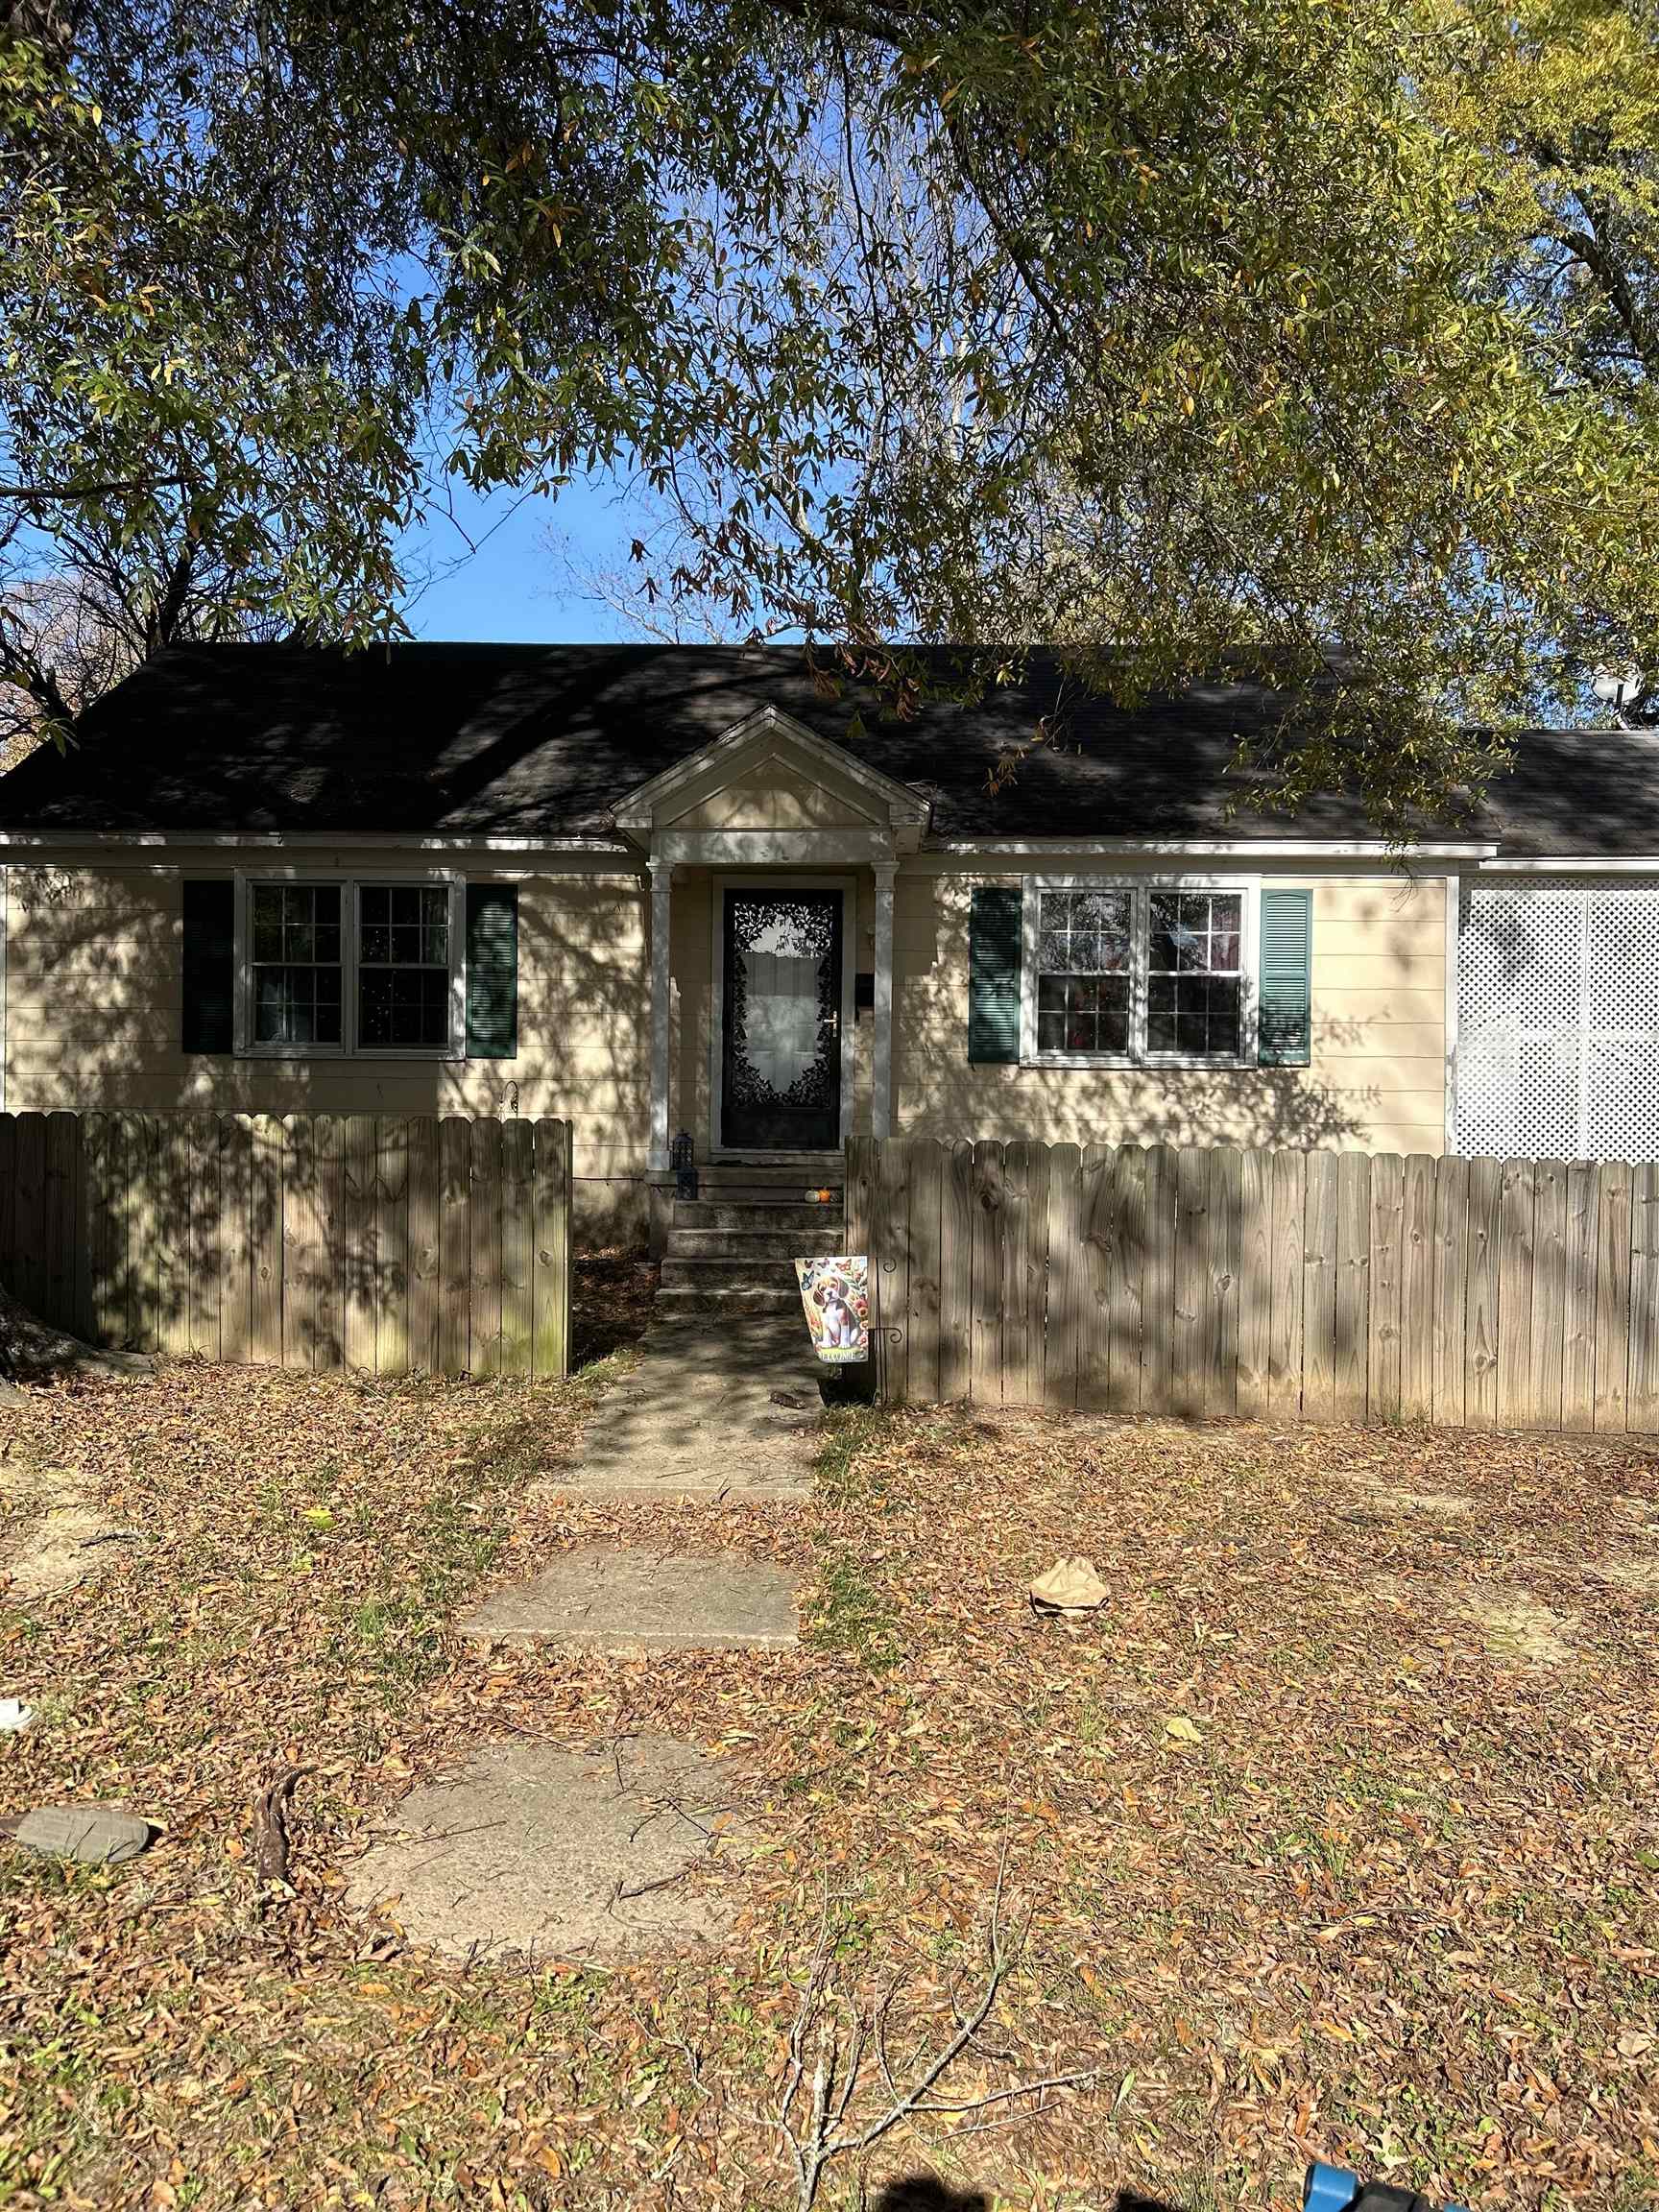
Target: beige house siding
[
  {"x": 1376, "y": 1081},
  {"x": 94, "y": 998}
]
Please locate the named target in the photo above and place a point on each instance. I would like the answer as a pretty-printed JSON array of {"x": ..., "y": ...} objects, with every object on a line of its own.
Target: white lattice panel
[
  {"x": 1520, "y": 961},
  {"x": 1517, "y": 1097},
  {"x": 1621, "y": 960},
  {"x": 1558, "y": 1011}
]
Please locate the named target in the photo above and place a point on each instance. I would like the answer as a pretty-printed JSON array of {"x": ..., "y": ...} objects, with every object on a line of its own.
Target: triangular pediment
[{"x": 771, "y": 772}]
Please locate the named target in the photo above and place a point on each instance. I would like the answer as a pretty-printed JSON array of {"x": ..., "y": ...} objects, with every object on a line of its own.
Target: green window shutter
[
  {"x": 1286, "y": 1004},
  {"x": 208, "y": 968},
  {"x": 994, "y": 953},
  {"x": 492, "y": 971}
]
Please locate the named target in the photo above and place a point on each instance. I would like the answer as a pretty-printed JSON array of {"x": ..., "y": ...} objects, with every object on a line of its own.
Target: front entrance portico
[{"x": 794, "y": 847}]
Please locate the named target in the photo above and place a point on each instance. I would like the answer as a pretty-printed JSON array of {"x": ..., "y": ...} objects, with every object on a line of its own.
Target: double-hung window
[
  {"x": 1136, "y": 975},
  {"x": 351, "y": 967}
]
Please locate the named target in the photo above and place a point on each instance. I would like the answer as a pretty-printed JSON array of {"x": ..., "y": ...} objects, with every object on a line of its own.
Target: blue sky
[{"x": 518, "y": 584}]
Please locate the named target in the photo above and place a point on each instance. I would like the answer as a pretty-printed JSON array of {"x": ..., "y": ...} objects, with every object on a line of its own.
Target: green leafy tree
[{"x": 1280, "y": 335}]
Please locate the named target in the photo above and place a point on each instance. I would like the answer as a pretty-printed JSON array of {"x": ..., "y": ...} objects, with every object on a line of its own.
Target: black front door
[{"x": 781, "y": 1046}]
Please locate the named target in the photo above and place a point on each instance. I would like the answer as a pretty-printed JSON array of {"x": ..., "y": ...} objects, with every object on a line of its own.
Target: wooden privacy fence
[
  {"x": 1320, "y": 1286},
  {"x": 390, "y": 1243}
]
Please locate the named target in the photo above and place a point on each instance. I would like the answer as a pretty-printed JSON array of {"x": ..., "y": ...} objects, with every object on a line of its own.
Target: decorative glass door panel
[{"x": 781, "y": 1046}]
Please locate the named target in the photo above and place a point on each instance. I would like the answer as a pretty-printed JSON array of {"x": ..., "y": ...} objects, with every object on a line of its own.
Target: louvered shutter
[
  {"x": 994, "y": 934},
  {"x": 1286, "y": 1024},
  {"x": 492, "y": 971}
]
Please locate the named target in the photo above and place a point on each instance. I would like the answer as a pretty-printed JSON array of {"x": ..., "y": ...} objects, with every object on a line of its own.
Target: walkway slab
[
  {"x": 531, "y": 1852},
  {"x": 619, "y": 1598},
  {"x": 707, "y": 1414}
]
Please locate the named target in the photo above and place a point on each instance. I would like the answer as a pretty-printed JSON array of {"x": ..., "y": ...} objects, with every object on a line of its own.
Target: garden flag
[{"x": 836, "y": 1292}]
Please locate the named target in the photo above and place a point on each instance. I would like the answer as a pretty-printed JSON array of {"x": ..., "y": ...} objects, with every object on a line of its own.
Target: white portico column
[
  {"x": 661, "y": 874},
  {"x": 881, "y": 1056}
]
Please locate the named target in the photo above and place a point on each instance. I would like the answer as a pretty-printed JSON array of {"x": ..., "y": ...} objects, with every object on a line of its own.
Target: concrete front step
[
  {"x": 776, "y": 1220},
  {"x": 810, "y": 1172},
  {"x": 753, "y": 1246},
  {"x": 678, "y": 1299},
  {"x": 720, "y": 1271}
]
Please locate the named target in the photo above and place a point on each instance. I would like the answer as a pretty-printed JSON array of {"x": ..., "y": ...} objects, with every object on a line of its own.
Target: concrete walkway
[
  {"x": 716, "y": 1406},
  {"x": 620, "y": 1597}
]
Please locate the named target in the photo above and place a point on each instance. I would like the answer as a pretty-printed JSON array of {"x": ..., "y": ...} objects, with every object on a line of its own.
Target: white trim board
[{"x": 636, "y": 809}]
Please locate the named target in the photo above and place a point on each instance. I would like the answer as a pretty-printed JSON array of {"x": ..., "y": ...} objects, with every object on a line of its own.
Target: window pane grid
[
  {"x": 1129, "y": 974},
  {"x": 297, "y": 967},
  {"x": 1193, "y": 980},
  {"x": 404, "y": 967}
]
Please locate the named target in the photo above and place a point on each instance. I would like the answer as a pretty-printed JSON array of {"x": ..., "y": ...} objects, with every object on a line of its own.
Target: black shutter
[
  {"x": 210, "y": 965},
  {"x": 994, "y": 952},
  {"x": 492, "y": 971}
]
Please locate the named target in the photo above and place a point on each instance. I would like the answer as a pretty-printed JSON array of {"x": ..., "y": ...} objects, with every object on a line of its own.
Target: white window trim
[
  {"x": 1139, "y": 889},
  {"x": 351, "y": 888}
]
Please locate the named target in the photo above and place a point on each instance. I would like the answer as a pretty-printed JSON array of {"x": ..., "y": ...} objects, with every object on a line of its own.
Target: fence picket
[
  {"x": 890, "y": 1237},
  {"x": 203, "y": 1260},
  {"x": 1255, "y": 1284},
  {"x": 423, "y": 1255},
  {"x": 1223, "y": 1244},
  {"x": 518, "y": 1238},
  {"x": 1417, "y": 1290},
  {"x": 1097, "y": 1237},
  {"x": 235, "y": 1247},
  {"x": 1612, "y": 1294},
  {"x": 1016, "y": 1239},
  {"x": 1288, "y": 1268},
  {"x": 1384, "y": 1278},
  {"x": 1125, "y": 1283},
  {"x": 484, "y": 1288},
  {"x": 926, "y": 1165},
  {"x": 1579, "y": 1309},
  {"x": 1039, "y": 1168},
  {"x": 1158, "y": 1276},
  {"x": 955, "y": 1271},
  {"x": 454, "y": 1244},
  {"x": 988, "y": 1211},
  {"x": 301, "y": 1268},
  {"x": 1480, "y": 1340},
  {"x": 551, "y": 1342},
  {"x": 358, "y": 1223},
  {"x": 60, "y": 1210},
  {"x": 328, "y": 1205},
  {"x": 1515, "y": 1269},
  {"x": 1353, "y": 1285},
  {"x": 1548, "y": 1350},
  {"x": 173, "y": 1218},
  {"x": 1642, "y": 1409},
  {"x": 1065, "y": 1266},
  {"x": 392, "y": 1246},
  {"x": 1192, "y": 1288},
  {"x": 1450, "y": 1291},
  {"x": 265, "y": 1221}
]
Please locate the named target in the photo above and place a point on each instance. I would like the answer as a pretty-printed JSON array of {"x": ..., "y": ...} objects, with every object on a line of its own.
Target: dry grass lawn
[{"x": 1387, "y": 1892}]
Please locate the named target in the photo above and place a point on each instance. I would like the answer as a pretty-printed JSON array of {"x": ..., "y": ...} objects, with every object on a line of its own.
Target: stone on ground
[
  {"x": 618, "y": 1599},
  {"x": 535, "y": 1853},
  {"x": 106, "y": 1835},
  {"x": 697, "y": 1416}
]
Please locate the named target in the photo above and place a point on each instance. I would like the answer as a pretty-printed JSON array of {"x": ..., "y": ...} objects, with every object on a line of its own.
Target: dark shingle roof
[{"x": 522, "y": 740}]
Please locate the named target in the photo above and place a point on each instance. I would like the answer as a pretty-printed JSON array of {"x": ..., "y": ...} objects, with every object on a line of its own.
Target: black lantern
[{"x": 684, "y": 1169}]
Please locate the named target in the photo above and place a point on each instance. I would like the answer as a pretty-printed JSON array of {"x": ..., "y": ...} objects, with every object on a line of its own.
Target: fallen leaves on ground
[{"x": 1320, "y": 1853}]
